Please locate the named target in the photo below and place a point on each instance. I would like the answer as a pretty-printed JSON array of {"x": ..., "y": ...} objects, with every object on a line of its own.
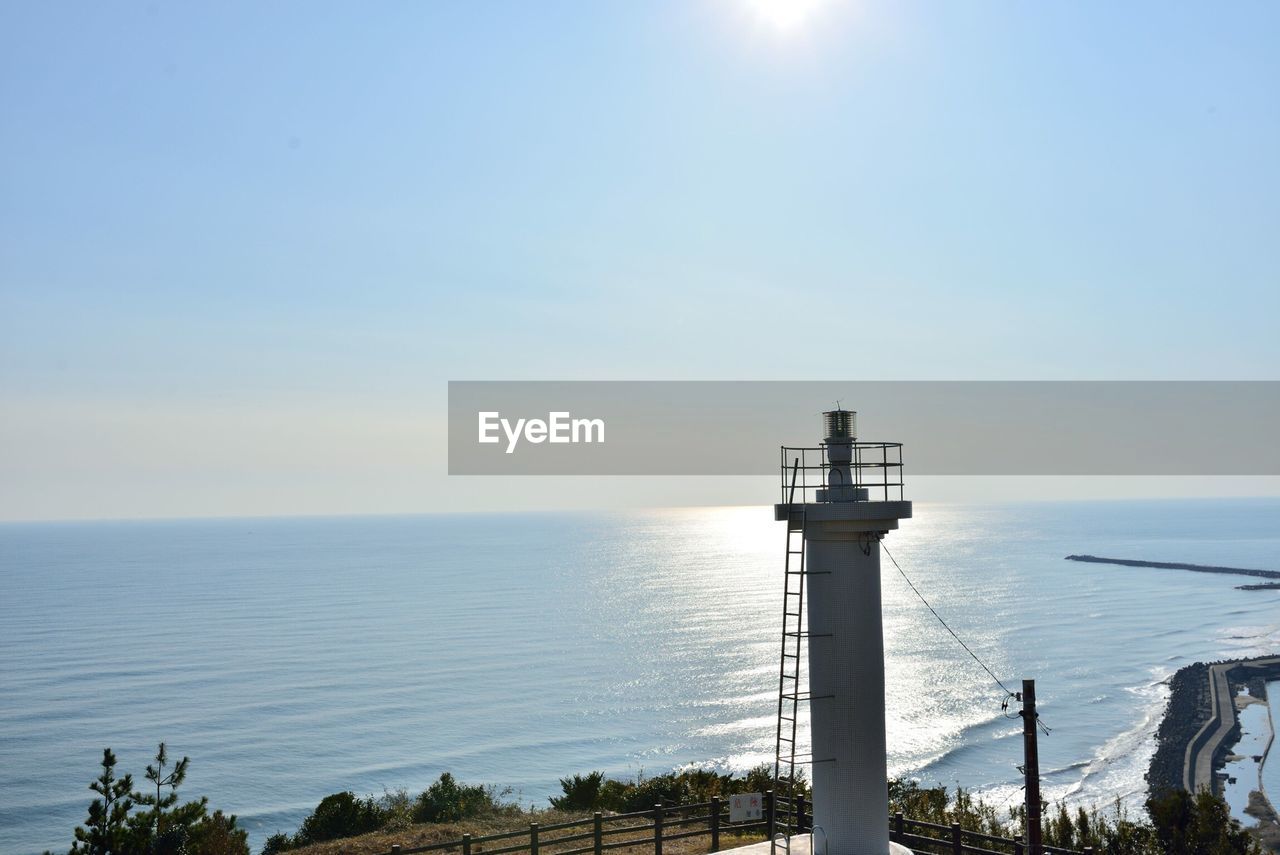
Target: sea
[{"x": 296, "y": 657}]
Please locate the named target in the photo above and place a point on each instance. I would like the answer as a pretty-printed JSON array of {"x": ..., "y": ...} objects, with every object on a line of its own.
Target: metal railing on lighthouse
[{"x": 875, "y": 467}]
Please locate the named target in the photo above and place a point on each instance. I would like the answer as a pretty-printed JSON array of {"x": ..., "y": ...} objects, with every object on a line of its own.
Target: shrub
[
  {"x": 668, "y": 789},
  {"x": 339, "y": 815},
  {"x": 397, "y": 809},
  {"x": 580, "y": 792},
  {"x": 594, "y": 791},
  {"x": 449, "y": 801},
  {"x": 757, "y": 780},
  {"x": 217, "y": 834},
  {"x": 277, "y": 843}
]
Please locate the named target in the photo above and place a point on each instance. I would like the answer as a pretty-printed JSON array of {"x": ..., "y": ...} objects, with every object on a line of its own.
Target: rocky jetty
[
  {"x": 1186, "y": 712},
  {"x": 1177, "y": 565}
]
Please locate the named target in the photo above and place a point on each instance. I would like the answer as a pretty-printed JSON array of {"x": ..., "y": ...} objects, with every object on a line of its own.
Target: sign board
[{"x": 745, "y": 807}]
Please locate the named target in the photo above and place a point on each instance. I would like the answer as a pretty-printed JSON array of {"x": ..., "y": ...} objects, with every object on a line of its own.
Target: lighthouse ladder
[{"x": 787, "y": 789}]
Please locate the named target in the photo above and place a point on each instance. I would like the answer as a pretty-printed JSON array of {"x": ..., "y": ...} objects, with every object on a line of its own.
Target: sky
[{"x": 243, "y": 247}]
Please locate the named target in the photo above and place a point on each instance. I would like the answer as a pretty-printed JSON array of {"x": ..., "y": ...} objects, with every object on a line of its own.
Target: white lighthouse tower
[{"x": 839, "y": 499}]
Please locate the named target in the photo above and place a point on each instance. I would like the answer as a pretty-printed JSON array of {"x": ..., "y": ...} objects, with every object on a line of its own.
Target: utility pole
[{"x": 1031, "y": 767}]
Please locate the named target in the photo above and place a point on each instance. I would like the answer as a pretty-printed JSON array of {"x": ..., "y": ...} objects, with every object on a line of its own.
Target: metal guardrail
[
  {"x": 875, "y": 467},
  {"x": 710, "y": 819}
]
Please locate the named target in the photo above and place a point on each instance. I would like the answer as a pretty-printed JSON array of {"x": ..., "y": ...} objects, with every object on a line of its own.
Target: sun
[{"x": 785, "y": 16}]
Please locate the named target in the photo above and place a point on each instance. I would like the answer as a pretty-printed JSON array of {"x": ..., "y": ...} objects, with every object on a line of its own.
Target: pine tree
[
  {"x": 104, "y": 832},
  {"x": 165, "y": 828},
  {"x": 160, "y": 802}
]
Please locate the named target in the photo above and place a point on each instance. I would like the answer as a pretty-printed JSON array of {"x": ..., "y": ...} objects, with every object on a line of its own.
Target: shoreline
[{"x": 1201, "y": 727}]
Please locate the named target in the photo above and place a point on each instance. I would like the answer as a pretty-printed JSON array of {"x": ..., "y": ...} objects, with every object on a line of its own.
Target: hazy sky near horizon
[{"x": 243, "y": 247}]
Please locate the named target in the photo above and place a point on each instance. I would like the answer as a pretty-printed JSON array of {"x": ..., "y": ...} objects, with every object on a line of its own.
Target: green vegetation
[
  {"x": 448, "y": 801},
  {"x": 594, "y": 791},
  {"x": 163, "y": 827},
  {"x": 107, "y": 826},
  {"x": 160, "y": 802},
  {"x": 344, "y": 815},
  {"x": 1176, "y": 822},
  {"x": 340, "y": 815}
]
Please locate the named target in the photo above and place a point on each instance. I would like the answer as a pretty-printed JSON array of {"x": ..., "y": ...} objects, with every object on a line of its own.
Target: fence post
[
  {"x": 715, "y": 823},
  {"x": 597, "y": 836},
  {"x": 899, "y": 826},
  {"x": 957, "y": 839},
  {"x": 657, "y": 829},
  {"x": 533, "y": 838},
  {"x": 800, "y": 823},
  {"x": 1017, "y": 845},
  {"x": 466, "y": 844},
  {"x": 770, "y": 815}
]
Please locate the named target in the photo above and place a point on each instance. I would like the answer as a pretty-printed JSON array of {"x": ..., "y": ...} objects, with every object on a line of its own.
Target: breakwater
[
  {"x": 1177, "y": 565},
  {"x": 1200, "y": 725},
  {"x": 1186, "y": 712}
]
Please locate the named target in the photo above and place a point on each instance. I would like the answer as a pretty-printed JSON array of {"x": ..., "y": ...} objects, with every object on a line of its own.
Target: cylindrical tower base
[
  {"x": 849, "y": 769},
  {"x": 846, "y": 673}
]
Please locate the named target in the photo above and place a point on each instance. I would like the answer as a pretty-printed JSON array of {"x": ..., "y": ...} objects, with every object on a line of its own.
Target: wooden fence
[
  {"x": 666, "y": 823},
  {"x": 931, "y": 837}
]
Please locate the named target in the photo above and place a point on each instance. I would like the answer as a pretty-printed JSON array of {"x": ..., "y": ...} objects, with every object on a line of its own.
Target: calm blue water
[{"x": 295, "y": 658}]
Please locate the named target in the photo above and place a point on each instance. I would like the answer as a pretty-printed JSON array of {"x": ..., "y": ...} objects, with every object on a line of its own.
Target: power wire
[
  {"x": 1004, "y": 704},
  {"x": 982, "y": 664}
]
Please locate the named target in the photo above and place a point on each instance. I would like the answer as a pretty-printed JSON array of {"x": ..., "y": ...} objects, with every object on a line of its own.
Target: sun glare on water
[{"x": 785, "y": 16}]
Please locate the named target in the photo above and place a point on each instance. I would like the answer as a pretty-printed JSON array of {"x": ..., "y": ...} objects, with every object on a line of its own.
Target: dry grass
[{"x": 380, "y": 842}]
